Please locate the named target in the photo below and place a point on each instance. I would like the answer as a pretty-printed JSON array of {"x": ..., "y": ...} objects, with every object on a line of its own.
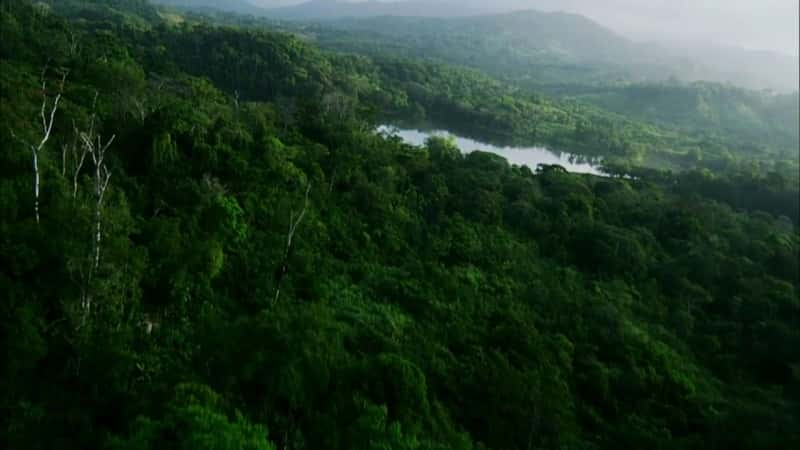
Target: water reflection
[{"x": 522, "y": 156}]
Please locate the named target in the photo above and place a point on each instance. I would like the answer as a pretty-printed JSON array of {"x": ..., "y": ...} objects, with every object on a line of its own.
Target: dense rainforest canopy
[
  {"x": 205, "y": 245},
  {"x": 564, "y": 98}
]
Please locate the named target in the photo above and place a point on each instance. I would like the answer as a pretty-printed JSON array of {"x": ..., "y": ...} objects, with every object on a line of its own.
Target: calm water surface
[{"x": 521, "y": 156}]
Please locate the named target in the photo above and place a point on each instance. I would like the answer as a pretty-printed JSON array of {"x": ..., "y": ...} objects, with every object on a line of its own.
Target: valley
[
  {"x": 531, "y": 157},
  {"x": 222, "y": 230}
]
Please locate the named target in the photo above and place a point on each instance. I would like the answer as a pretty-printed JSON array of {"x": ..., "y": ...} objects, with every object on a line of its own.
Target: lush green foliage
[
  {"x": 664, "y": 124},
  {"x": 425, "y": 300},
  {"x": 566, "y": 56},
  {"x": 541, "y": 48},
  {"x": 529, "y": 46},
  {"x": 749, "y": 118}
]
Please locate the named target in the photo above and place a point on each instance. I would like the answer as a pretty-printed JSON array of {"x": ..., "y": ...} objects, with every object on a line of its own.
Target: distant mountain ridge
[
  {"x": 756, "y": 69},
  {"x": 328, "y": 9},
  {"x": 545, "y": 46},
  {"x": 234, "y": 6},
  {"x": 542, "y": 44},
  {"x": 334, "y": 9}
]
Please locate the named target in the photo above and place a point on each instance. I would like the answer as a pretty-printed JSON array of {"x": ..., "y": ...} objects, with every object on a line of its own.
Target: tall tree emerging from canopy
[{"x": 47, "y": 115}]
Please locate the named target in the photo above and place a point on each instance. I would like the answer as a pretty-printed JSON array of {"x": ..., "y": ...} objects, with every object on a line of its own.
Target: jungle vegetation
[{"x": 205, "y": 245}]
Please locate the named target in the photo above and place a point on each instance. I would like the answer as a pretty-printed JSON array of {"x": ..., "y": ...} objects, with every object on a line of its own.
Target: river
[{"x": 521, "y": 156}]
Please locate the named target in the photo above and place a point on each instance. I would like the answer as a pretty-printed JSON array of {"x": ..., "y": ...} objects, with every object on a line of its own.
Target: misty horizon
[{"x": 767, "y": 25}]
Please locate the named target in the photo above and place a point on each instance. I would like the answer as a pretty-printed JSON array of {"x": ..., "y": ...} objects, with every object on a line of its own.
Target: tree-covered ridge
[
  {"x": 700, "y": 125},
  {"x": 537, "y": 48},
  {"x": 236, "y": 6},
  {"x": 572, "y": 70},
  {"x": 753, "y": 118},
  {"x": 273, "y": 274}
]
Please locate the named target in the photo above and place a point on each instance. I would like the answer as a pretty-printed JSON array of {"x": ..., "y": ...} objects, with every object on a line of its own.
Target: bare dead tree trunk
[
  {"x": 294, "y": 222},
  {"x": 64, "y": 149},
  {"x": 48, "y": 118},
  {"x": 36, "y": 183},
  {"x": 78, "y": 158},
  {"x": 141, "y": 109},
  {"x": 79, "y": 152},
  {"x": 102, "y": 176},
  {"x": 92, "y": 144},
  {"x": 74, "y": 44}
]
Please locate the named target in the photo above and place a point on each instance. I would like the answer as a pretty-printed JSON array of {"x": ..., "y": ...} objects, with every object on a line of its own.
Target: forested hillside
[
  {"x": 236, "y": 6},
  {"x": 334, "y": 9},
  {"x": 205, "y": 245},
  {"x": 529, "y": 46},
  {"x": 564, "y": 55},
  {"x": 764, "y": 119},
  {"x": 669, "y": 123},
  {"x": 543, "y": 48}
]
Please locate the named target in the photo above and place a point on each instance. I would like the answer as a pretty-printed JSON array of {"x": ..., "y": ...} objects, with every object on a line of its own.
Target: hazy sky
[{"x": 755, "y": 24}]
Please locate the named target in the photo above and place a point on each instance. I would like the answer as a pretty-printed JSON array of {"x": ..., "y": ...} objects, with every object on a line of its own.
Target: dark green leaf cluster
[{"x": 274, "y": 274}]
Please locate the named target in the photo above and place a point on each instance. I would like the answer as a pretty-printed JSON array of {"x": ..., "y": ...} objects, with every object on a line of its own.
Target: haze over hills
[
  {"x": 748, "y": 68},
  {"x": 551, "y": 47},
  {"x": 767, "y": 24},
  {"x": 524, "y": 39},
  {"x": 332, "y": 9},
  {"x": 336, "y": 9},
  {"x": 235, "y": 6},
  {"x": 756, "y": 25},
  {"x": 569, "y": 38}
]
